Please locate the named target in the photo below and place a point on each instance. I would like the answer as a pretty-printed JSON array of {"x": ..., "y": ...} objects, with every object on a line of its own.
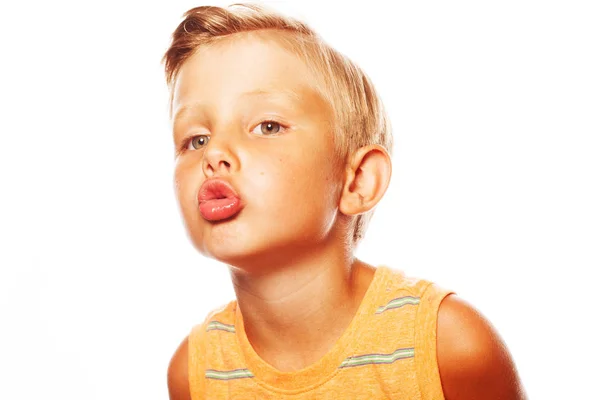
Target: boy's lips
[{"x": 218, "y": 200}]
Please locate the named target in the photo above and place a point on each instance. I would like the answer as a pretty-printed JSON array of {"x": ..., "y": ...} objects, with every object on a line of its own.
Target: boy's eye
[
  {"x": 267, "y": 128},
  {"x": 197, "y": 142}
]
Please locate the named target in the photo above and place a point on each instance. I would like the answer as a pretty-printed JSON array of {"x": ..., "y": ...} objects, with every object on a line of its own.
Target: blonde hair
[{"x": 360, "y": 118}]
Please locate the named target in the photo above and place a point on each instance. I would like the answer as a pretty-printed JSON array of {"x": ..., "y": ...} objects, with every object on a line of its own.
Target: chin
[
  {"x": 250, "y": 256},
  {"x": 228, "y": 249},
  {"x": 250, "y": 245}
]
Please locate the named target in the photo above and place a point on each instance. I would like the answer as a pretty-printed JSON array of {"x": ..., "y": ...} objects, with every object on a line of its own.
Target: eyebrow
[
  {"x": 285, "y": 94},
  {"x": 187, "y": 109},
  {"x": 291, "y": 94}
]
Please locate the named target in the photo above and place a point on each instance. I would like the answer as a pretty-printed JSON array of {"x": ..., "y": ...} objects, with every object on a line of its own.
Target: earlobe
[{"x": 367, "y": 177}]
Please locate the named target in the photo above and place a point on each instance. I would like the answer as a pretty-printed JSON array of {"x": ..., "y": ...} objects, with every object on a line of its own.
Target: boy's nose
[{"x": 218, "y": 158}]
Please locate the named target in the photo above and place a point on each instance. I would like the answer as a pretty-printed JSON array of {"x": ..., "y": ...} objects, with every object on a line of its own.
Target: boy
[{"x": 282, "y": 153}]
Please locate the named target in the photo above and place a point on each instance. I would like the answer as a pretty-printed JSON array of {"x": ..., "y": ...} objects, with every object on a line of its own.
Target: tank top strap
[
  {"x": 403, "y": 327},
  {"x": 205, "y": 344}
]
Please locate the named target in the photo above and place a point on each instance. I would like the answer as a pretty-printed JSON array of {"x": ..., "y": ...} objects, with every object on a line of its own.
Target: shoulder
[
  {"x": 177, "y": 375},
  {"x": 473, "y": 361},
  {"x": 183, "y": 382}
]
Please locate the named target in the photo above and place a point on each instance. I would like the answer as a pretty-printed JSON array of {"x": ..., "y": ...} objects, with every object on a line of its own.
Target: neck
[{"x": 282, "y": 306}]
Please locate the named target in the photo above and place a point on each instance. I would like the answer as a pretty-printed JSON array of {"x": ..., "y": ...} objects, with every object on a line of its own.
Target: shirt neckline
[{"x": 324, "y": 369}]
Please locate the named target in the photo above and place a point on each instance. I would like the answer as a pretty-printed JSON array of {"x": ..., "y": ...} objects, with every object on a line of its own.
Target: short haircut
[{"x": 360, "y": 118}]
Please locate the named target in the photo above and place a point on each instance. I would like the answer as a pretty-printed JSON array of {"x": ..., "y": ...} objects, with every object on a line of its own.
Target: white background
[{"x": 495, "y": 190}]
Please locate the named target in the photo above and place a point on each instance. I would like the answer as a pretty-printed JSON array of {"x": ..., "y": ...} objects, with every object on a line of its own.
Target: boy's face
[{"x": 225, "y": 96}]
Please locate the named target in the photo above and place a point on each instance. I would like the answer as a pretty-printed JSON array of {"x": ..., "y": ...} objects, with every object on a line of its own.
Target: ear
[{"x": 367, "y": 177}]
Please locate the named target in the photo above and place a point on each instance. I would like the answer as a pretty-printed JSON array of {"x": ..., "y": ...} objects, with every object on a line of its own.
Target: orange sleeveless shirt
[{"x": 387, "y": 352}]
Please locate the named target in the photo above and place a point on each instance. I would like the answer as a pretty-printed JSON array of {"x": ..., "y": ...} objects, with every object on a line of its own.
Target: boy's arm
[
  {"x": 473, "y": 361},
  {"x": 177, "y": 375}
]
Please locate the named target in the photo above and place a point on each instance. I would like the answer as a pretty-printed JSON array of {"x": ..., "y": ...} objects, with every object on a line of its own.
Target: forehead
[{"x": 247, "y": 63}]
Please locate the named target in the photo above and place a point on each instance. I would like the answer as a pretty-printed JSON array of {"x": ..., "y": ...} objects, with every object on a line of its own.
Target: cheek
[
  {"x": 297, "y": 188},
  {"x": 187, "y": 183}
]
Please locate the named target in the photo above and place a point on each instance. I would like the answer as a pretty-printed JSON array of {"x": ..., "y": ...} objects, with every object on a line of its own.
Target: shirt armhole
[
  {"x": 196, "y": 362},
  {"x": 428, "y": 374}
]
